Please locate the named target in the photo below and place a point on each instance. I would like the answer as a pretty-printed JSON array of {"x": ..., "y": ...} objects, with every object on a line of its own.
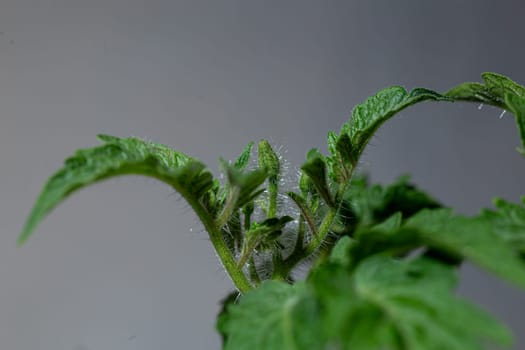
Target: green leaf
[
  {"x": 263, "y": 237},
  {"x": 508, "y": 222},
  {"x": 244, "y": 158},
  {"x": 498, "y": 91},
  {"x": 365, "y": 205},
  {"x": 376, "y": 110},
  {"x": 228, "y": 300},
  {"x": 500, "y": 85},
  {"x": 390, "y": 224},
  {"x": 248, "y": 183},
  {"x": 315, "y": 169},
  {"x": 340, "y": 252},
  {"x": 492, "y": 92},
  {"x": 516, "y": 105},
  {"x": 274, "y": 316},
  {"x": 384, "y": 304},
  {"x": 267, "y": 232},
  {"x": 474, "y": 92},
  {"x": 405, "y": 305},
  {"x": 116, "y": 157},
  {"x": 242, "y": 188},
  {"x": 446, "y": 235},
  {"x": 471, "y": 238},
  {"x": 398, "y": 243},
  {"x": 342, "y": 163}
]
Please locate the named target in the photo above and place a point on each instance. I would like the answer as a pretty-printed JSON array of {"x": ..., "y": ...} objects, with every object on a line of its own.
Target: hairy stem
[
  {"x": 324, "y": 228},
  {"x": 273, "y": 191},
  {"x": 225, "y": 255}
]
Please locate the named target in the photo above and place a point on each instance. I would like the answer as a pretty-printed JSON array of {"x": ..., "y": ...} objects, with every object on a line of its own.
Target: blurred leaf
[
  {"x": 470, "y": 238},
  {"x": 274, "y": 316},
  {"x": 508, "y": 222},
  {"x": 405, "y": 305},
  {"x": 365, "y": 205},
  {"x": 245, "y": 184},
  {"x": 244, "y": 158}
]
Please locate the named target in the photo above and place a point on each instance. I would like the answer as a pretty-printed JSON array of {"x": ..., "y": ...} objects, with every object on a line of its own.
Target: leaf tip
[
  {"x": 107, "y": 138},
  {"x": 26, "y": 232}
]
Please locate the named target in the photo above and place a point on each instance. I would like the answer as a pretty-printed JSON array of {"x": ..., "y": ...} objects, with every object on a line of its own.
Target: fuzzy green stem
[
  {"x": 305, "y": 211},
  {"x": 225, "y": 255},
  {"x": 273, "y": 191},
  {"x": 299, "y": 254},
  {"x": 246, "y": 253}
]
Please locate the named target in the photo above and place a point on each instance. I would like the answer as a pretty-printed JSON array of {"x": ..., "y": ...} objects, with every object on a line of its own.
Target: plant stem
[
  {"x": 316, "y": 241},
  {"x": 225, "y": 255},
  {"x": 273, "y": 191}
]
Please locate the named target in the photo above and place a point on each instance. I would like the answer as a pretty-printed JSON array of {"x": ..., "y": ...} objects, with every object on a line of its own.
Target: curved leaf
[
  {"x": 370, "y": 115},
  {"x": 516, "y": 105},
  {"x": 498, "y": 91},
  {"x": 121, "y": 156}
]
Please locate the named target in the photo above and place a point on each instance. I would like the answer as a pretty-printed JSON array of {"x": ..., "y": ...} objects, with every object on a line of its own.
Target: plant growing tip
[{"x": 368, "y": 287}]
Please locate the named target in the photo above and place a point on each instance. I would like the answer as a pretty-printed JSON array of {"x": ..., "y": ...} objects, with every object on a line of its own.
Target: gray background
[{"x": 125, "y": 264}]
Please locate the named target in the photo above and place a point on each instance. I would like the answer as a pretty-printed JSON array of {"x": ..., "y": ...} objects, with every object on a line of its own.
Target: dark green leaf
[
  {"x": 269, "y": 229},
  {"x": 244, "y": 158},
  {"x": 341, "y": 251},
  {"x": 446, "y": 235},
  {"x": 508, "y": 222},
  {"x": 365, "y": 205},
  {"x": 274, "y": 316},
  {"x": 498, "y": 91},
  {"x": 474, "y": 92},
  {"x": 246, "y": 183},
  {"x": 471, "y": 238},
  {"x": 516, "y": 105},
  {"x": 370, "y": 115},
  {"x": 315, "y": 169},
  {"x": 341, "y": 163},
  {"x": 405, "y": 305},
  {"x": 492, "y": 92},
  {"x": 390, "y": 224},
  {"x": 230, "y": 299},
  {"x": 398, "y": 243},
  {"x": 121, "y": 157},
  {"x": 500, "y": 85},
  {"x": 263, "y": 236}
]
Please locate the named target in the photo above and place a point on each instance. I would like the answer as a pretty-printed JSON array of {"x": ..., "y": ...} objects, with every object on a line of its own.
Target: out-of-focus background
[{"x": 125, "y": 264}]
